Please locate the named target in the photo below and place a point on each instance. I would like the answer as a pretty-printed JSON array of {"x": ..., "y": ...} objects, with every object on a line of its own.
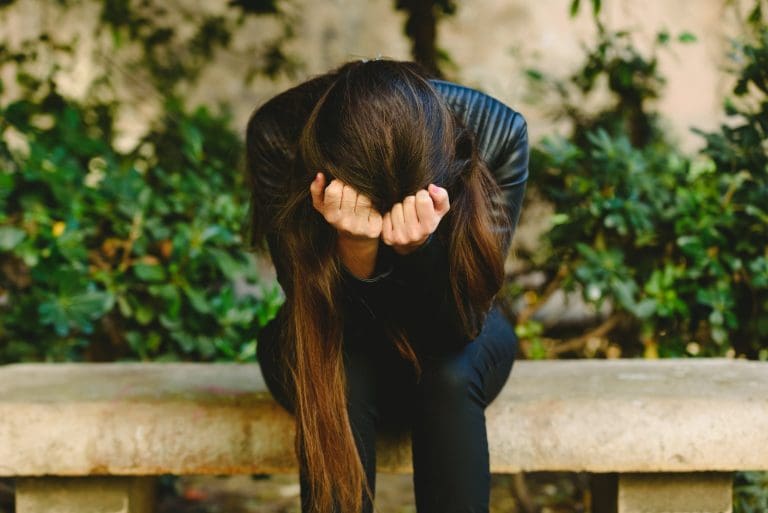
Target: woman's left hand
[{"x": 410, "y": 223}]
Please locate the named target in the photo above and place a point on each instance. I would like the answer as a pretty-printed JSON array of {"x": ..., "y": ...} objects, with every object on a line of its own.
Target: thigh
[
  {"x": 364, "y": 354},
  {"x": 450, "y": 445},
  {"x": 481, "y": 367},
  {"x": 496, "y": 350}
]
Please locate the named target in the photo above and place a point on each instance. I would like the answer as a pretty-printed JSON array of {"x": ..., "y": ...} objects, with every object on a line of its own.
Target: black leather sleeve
[{"x": 502, "y": 139}]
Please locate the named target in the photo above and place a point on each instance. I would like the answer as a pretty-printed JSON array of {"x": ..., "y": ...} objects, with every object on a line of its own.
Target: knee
[{"x": 453, "y": 377}]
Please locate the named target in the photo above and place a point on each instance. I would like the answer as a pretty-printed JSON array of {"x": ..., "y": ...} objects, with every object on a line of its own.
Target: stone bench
[{"x": 88, "y": 438}]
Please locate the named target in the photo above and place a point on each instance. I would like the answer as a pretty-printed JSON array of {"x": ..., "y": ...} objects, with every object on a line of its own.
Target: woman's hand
[
  {"x": 410, "y": 223},
  {"x": 354, "y": 218}
]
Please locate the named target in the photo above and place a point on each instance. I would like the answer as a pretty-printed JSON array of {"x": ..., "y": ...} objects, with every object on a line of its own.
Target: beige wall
[
  {"x": 492, "y": 42},
  {"x": 507, "y": 37}
]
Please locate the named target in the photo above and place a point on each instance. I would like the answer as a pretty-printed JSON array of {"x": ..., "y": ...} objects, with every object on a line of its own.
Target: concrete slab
[{"x": 579, "y": 415}]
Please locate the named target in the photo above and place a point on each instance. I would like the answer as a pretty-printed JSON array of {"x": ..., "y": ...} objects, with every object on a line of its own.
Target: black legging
[{"x": 445, "y": 410}]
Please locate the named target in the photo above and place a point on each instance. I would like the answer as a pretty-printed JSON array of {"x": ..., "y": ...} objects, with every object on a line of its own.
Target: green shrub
[
  {"x": 675, "y": 244},
  {"x": 106, "y": 255}
]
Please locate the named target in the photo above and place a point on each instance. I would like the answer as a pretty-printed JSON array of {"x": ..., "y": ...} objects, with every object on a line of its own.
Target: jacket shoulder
[{"x": 500, "y": 130}]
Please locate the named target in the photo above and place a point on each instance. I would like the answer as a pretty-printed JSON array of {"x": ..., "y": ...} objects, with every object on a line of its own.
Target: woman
[{"x": 387, "y": 200}]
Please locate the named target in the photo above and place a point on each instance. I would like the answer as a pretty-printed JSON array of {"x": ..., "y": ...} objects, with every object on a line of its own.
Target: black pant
[{"x": 445, "y": 409}]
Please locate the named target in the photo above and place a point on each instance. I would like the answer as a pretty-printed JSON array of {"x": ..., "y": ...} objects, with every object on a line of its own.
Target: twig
[
  {"x": 577, "y": 342},
  {"x": 552, "y": 287},
  {"x": 135, "y": 233},
  {"x": 520, "y": 491}
]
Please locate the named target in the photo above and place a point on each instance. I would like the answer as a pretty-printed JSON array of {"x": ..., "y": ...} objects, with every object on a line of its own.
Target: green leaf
[
  {"x": 624, "y": 292},
  {"x": 10, "y": 237},
  {"x": 149, "y": 272},
  {"x": 645, "y": 308},
  {"x": 229, "y": 265},
  {"x": 198, "y": 300},
  {"x": 144, "y": 314},
  {"x": 75, "y": 311},
  {"x": 687, "y": 37},
  {"x": 91, "y": 305},
  {"x": 52, "y": 314},
  {"x": 194, "y": 142},
  {"x": 169, "y": 293},
  {"x": 575, "y": 4},
  {"x": 534, "y": 74}
]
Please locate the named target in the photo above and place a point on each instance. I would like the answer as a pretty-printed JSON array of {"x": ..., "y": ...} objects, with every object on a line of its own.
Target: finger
[
  {"x": 348, "y": 200},
  {"x": 332, "y": 199},
  {"x": 425, "y": 210},
  {"x": 386, "y": 229},
  {"x": 317, "y": 190},
  {"x": 375, "y": 223},
  {"x": 440, "y": 197},
  {"x": 412, "y": 226},
  {"x": 398, "y": 223},
  {"x": 362, "y": 206}
]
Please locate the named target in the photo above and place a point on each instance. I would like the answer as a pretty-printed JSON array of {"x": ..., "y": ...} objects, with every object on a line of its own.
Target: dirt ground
[
  {"x": 560, "y": 492},
  {"x": 280, "y": 494}
]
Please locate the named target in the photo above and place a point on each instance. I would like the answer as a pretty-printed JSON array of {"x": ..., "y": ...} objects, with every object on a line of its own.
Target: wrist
[
  {"x": 407, "y": 249},
  {"x": 358, "y": 254}
]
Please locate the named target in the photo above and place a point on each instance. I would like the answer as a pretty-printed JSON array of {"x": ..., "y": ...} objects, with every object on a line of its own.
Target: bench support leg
[
  {"x": 96, "y": 494},
  {"x": 685, "y": 492}
]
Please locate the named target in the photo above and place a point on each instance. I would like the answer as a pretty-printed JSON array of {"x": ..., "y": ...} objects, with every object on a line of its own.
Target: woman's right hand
[
  {"x": 354, "y": 218},
  {"x": 350, "y": 212}
]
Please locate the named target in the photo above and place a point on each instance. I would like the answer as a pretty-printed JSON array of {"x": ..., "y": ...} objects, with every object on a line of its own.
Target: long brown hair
[{"x": 382, "y": 128}]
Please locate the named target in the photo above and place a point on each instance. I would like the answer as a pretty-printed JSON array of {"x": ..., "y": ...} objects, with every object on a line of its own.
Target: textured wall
[{"x": 491, "y": 41}]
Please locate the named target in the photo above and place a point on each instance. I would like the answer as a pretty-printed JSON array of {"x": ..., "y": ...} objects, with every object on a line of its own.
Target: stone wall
[{"x": 491, "y": 41}]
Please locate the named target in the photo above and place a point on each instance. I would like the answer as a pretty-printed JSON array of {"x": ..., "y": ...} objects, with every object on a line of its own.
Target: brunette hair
[{"x": 382, "y": 128}]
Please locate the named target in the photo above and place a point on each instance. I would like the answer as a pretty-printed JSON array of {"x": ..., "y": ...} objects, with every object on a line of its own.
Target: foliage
[
  {"x": 164, "y": 46},
  {"x": 673, "y": 245},
  {"x": 108, "y": 255},
  {"x": 750, "y": 492}
]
